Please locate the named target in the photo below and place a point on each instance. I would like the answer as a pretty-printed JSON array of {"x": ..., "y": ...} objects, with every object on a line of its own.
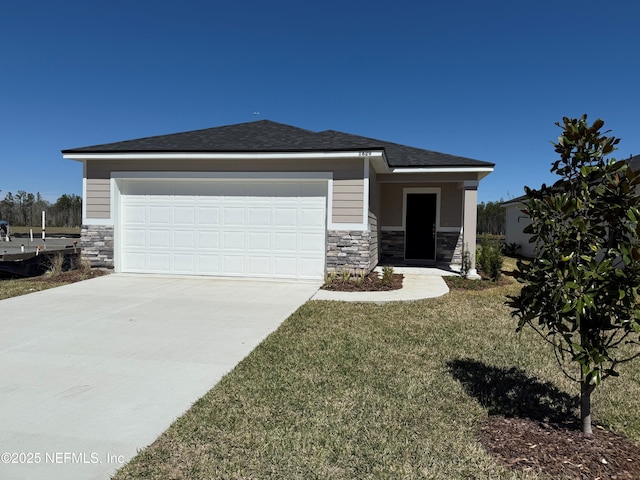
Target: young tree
[{"x": 581, "y": 292}]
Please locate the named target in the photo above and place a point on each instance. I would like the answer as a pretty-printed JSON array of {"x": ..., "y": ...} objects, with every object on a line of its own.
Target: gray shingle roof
[
  {"x": 634, "y": 162},
  {"x": 268, "y": 136}
]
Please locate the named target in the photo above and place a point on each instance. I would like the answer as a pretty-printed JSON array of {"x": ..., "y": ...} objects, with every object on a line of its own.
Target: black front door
[{"x": 420, "y": 226}]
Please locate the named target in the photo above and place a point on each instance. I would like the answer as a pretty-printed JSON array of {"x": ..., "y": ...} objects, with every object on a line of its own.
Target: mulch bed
[
  {"x": 560, "y": 451},
  {"x": 371, "y": 283}
]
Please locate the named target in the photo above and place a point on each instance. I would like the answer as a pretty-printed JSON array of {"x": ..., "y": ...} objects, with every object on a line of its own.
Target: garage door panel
[
  {"x": 311, "y": 242},
  {"x": 286, "y": 242},
  {"x": 158, "y": 262},
  {"x": 259, "y": 241},
  {"x": 159, "y": 215},
  {"x": 259, "y": 266},
  {"x": 312, "y": 217},
  {"x": 208, "y": 264},
  {"x": 286, "y": 217},
  {"x": 259, "y": 217},
  {"x": 135, "y": 261},
  {"x": 184, "y": 239},
  {"x": 208, "y": 239},
  {"x": 135, "y": 214},
  {"x": 310, "y": 267},
  {"x": 184, "y": 215},
  {"x": 285, "y": 267},
  {"x": 208, "y": 216},
  {"x": 184, "y": 263},
  {"x": 134, "y": 237},
  {"x": 261, "y": 229},
  {"x": 159, "y": 238},
  {"x": 233, "y": 217},
  {"x": 233, "y": 265},
  {"x": 233, "y": 241}
]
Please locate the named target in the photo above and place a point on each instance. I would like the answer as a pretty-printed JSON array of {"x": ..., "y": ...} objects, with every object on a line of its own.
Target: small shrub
[
  {"x": 490, "y": 259},
  {"x": 361, "y": 277},
  {"x": 511, "y": 249},
  {"x": 465, "y": 268},
  {"x": 330, "y": 277},
  {"x": 387, "y": 276},
  {"x": 345, "y": 275}
]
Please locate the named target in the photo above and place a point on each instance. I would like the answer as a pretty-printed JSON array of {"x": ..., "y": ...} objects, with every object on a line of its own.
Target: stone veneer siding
[
  {"x": 96, "y": 243},
  {"x": 392, "y": 246},
  {"x": 349, "y": 249},
  {"x": 448, "y": 247}
]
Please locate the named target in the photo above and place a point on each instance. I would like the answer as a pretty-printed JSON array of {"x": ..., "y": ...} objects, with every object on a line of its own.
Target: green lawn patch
[{"x": 364, "y": 391}]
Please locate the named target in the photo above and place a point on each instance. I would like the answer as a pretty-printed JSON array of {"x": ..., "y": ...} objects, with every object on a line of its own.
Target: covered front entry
[
  {"x": 236, "y": 228},
  {"x": 420, "y": 226}
]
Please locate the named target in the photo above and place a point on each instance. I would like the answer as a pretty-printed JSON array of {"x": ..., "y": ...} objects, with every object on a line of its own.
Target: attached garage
[{"x": 223, "y": 227}]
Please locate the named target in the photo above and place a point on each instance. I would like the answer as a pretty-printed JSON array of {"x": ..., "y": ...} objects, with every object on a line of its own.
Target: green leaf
[{"x": 577, "y": 347}]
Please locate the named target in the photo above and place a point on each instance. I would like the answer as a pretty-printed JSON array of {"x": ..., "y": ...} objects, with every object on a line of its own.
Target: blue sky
[{"x": 482, "y": 79}]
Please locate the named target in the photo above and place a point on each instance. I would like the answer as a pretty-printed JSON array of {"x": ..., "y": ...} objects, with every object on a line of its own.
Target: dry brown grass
[{"x": 22, "y": 286}]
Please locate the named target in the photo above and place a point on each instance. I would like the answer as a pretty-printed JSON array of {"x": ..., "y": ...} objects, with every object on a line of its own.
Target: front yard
[{"x": 355, "y": 391}]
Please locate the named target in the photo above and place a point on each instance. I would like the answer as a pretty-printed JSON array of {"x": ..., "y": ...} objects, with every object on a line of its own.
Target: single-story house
[
  {"x": 516, "y": 221},
  {"x": 264, "y": 199}
]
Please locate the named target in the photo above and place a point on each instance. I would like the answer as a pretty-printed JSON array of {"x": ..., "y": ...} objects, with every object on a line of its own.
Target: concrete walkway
[
  {"x": 418, "y": 284},
  {"x": 94, "y": 371}
]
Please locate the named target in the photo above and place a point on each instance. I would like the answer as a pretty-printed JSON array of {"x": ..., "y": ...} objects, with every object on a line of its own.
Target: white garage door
[{"x": 230, "y": 228}]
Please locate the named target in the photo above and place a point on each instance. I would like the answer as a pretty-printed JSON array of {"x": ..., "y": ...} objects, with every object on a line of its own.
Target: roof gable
[{"x": 269, "y": 136}]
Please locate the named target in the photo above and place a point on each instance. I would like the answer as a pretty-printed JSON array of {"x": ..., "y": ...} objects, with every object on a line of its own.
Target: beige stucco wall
[
  {"x": 348, "y": 181},
  {"x": 392, "y": 199}
]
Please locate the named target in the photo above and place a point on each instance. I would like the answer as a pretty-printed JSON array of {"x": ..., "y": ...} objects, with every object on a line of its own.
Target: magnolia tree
[{"x": 581, "y": 291}]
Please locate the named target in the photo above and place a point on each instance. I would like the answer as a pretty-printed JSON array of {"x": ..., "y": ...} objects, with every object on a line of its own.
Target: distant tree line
[
  {"x": 491, "y": 218},
  {"x": 25, "y": 209}
]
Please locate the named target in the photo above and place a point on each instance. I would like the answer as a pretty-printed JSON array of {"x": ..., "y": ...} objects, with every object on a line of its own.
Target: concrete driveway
[{"x": 94, "y": 371}]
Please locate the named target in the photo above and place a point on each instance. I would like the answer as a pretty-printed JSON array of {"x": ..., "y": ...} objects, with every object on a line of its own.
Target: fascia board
[{"x": 372, "y": 154}]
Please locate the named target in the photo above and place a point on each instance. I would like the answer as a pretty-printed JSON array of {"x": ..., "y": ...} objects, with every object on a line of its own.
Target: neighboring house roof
[
  {"x": 513, "y": 201},
  {"x": 268, "y": 136},
  {"x": 634, "y": 162}
]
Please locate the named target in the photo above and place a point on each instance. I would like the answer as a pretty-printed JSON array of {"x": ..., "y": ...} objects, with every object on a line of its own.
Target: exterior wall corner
[
  {"x": 350, "y": 250},
  {"x": 96, "y": 245}
]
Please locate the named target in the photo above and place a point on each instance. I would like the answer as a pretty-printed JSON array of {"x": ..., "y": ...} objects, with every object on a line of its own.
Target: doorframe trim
[{"x": 420, "y": 190}]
